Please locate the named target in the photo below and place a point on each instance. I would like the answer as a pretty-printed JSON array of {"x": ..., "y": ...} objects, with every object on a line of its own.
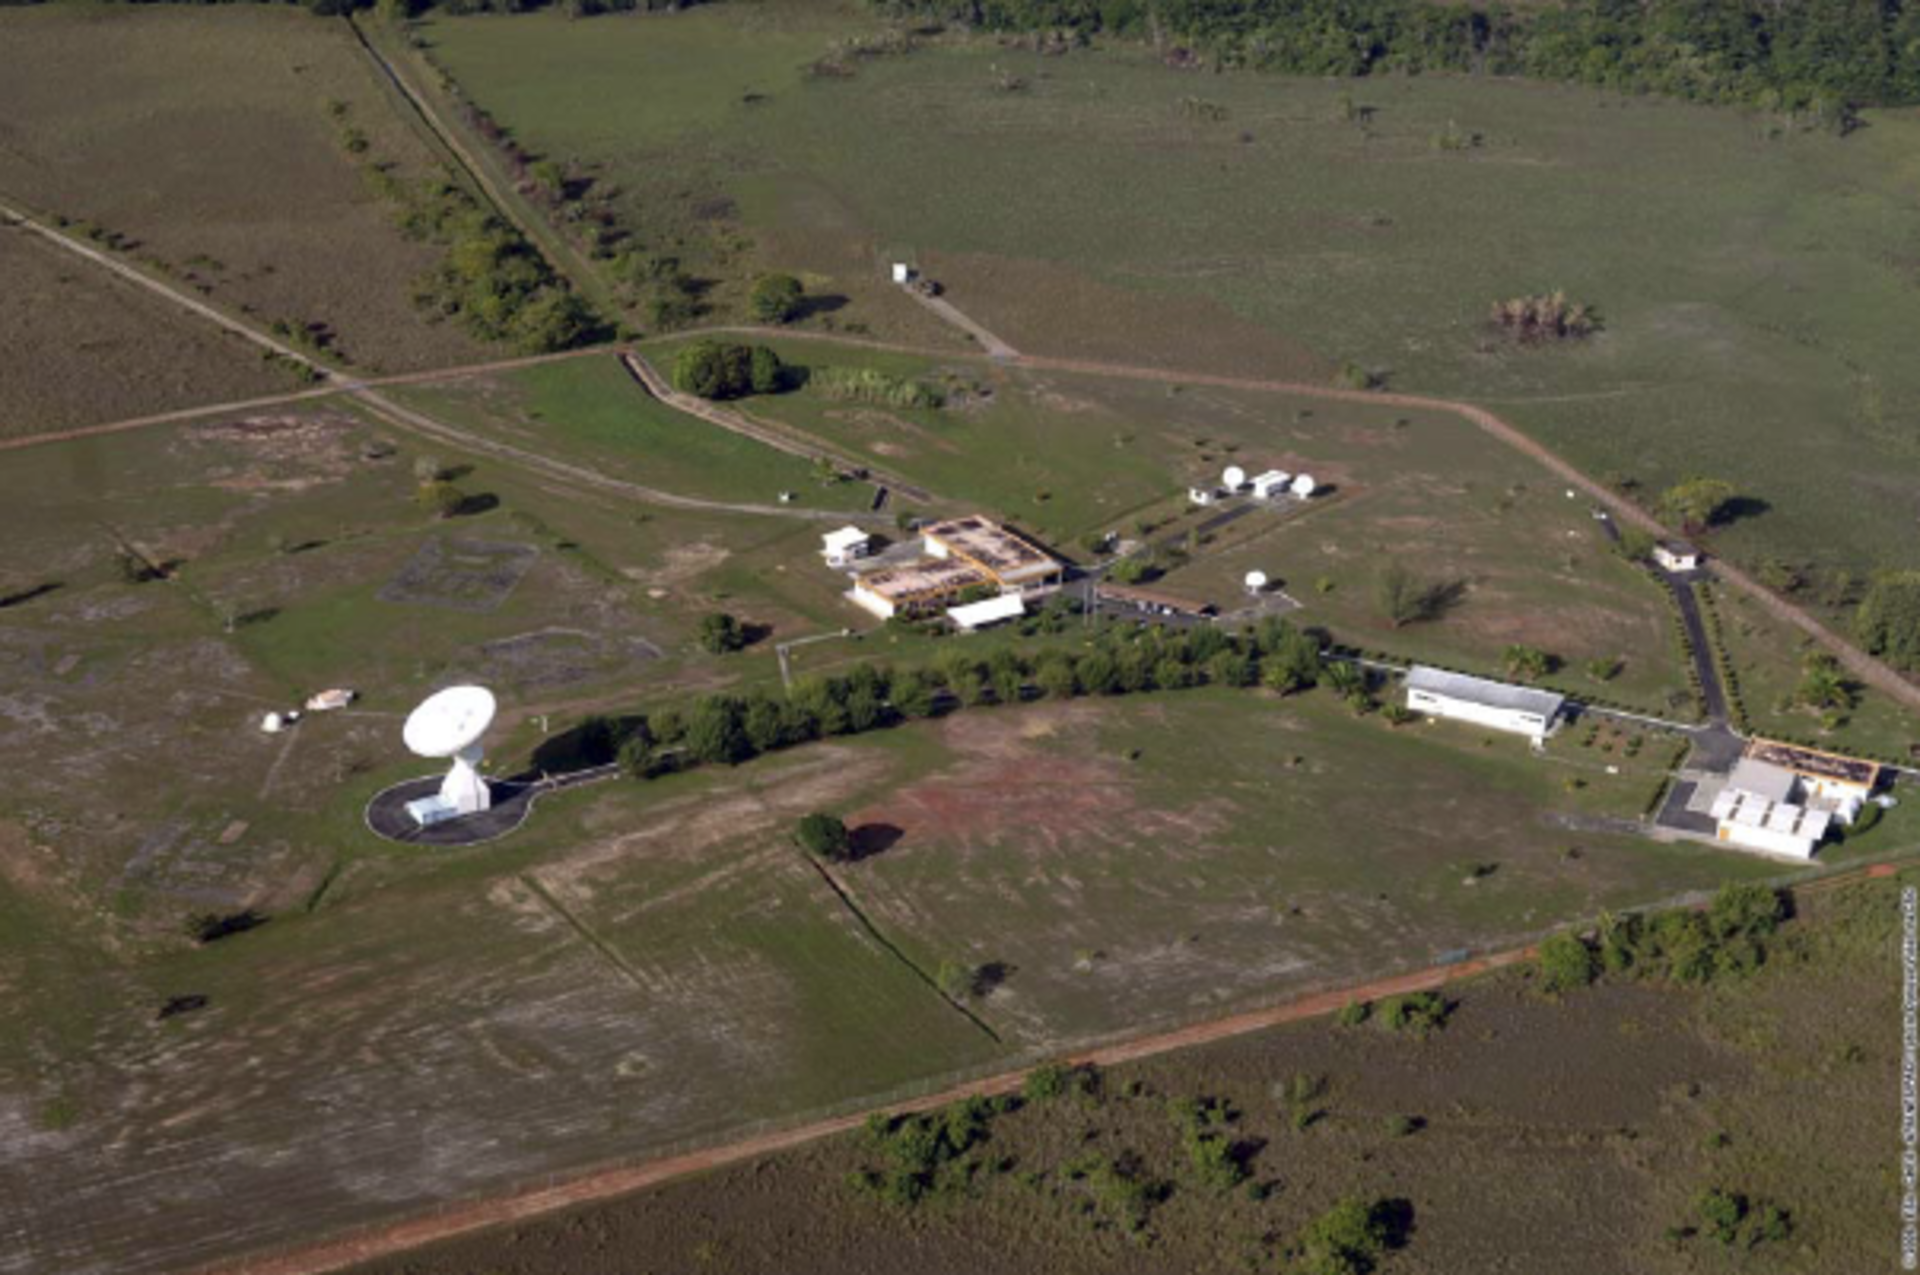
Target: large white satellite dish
[
  {"x": 1303, "y": 485},
  {"x": 449, "y": 723},
  {"x": 1256, "y": 581},
  {"x": 1235, "y": 478}
]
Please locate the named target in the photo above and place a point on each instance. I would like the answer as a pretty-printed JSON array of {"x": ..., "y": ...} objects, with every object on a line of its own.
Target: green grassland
[
  {"x": 1767, "y": 658},
  {"x": 1573, "y": 1132},
  {"x": 592, "y": 411},
  {"x": 1755, "y": 286},
  {"x": 233, "y": 180},
  {"x": 1064, "y": 455}
]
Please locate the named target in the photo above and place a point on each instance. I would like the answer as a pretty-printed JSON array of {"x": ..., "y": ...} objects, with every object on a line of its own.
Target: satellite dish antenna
[
  {"x": 1235, "y": 478},
  {"x": 1256, "y": 581},
  {"x": 449, "y": 723},
  {"x": 1303, "y": 485}
]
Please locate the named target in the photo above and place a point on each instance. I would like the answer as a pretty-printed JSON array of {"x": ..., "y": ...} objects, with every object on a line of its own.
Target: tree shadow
[
  {"x": 826, "y": 303},
  {"x": 752, "y": 634},
  {"x": 259, "y": 615},
  {"x": 478, "y": 503},
  {"x": 1738, "y": 508},
  {"x": 1442, "y": 598},
  {"x": 1396, "y": 1220},
  {"x": 870, "y": 839},
  {"x": 174, "y": 1006},
  {"x": 28, "y": 594},
  {"x": 211, "y": 927},
  {"x": 987, "y": 978}
]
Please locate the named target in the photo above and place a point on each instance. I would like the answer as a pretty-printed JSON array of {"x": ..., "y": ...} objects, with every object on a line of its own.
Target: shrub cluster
[
  {"x": 725, "y": 369},
  {"x": 870, "y": 385},
  {"x": 925, "y": 1156}
]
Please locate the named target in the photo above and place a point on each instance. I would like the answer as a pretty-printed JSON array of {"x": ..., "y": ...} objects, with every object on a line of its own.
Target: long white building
[{"x": 1523, "y": 710}]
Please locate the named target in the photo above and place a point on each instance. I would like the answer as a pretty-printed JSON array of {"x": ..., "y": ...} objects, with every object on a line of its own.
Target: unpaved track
[
  {"x": 1864, "y": 666},
  {"x": 606, "y": 1184},
  {"x": 13, "y": 216}
]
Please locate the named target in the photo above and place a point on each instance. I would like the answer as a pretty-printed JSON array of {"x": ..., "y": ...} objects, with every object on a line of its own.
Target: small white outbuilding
[
  {"x": 1202, "y": 495},
  {"x": 1676, "y": 555},
  {"x": 1270, "y": 484},
  {"x": 844, "y": 546},
  {"x": 902, "y": 272}
]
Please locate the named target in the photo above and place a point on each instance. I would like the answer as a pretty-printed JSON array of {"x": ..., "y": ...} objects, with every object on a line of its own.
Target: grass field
[
  {"x": 78, "y": 347},
  {"x": 593, "y": 411},
  {"x": 1767, "y": 658},
  {"x": 232, "y": 180},
  {"x": 1573, "y": 1132},
  {"x": 1754, "y": 288},
  {"x": 1063, "y": 455}
]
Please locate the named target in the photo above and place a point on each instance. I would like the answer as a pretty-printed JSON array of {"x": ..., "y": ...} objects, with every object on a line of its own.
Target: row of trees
[
  {"x": 725, "y": 729},
  {"x": 1818, "y": 55},
  {"x": 727, "y": 369}
]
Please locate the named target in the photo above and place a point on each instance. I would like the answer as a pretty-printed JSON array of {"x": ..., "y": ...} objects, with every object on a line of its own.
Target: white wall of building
[{"x": 1506, "y": 719}]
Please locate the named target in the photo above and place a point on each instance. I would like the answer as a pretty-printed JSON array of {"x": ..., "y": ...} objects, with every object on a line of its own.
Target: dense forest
[
  {"x": 1812, "y": 55},
  {"x": 1816, "y": 57}
]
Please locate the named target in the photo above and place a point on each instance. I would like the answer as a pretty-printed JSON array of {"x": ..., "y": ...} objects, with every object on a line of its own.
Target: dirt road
[{"x": 342, "y": 1253}]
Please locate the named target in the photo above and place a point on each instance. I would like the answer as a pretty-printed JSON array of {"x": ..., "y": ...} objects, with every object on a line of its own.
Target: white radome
[
  {"x": 449, "y": 724},
  {"x": 1256, "y": 581},
  {"x": 1235, "y": 478},
  {"x": 1303, "y": 485},
  {"x": 448, "y": 721}
]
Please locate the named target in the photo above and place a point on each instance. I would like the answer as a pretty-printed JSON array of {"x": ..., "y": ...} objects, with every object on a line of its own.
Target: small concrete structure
[
  {"x": 1676, "y": 555},
  {"x": 1202, "y": 495},
  {"x": 329, "y": 700},
  {"x": 1754, "y": 821},
  {"x": 902, "y": 272},
  {"x": 842, "y": 547},
  {"x": 1522, "y": 710},
  {"x": 1270, "y": 484},
  {"x": 978, "y": 615}
]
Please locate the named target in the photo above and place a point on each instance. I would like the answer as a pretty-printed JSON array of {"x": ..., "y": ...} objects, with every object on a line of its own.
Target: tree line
[
  {"x": 1817, "y": 56},
  {"x": 727, "y": 729}
]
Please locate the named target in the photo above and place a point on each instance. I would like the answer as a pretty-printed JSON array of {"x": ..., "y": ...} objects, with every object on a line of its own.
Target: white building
[
  {"x": 1676, "y": 555},
  {"x": 1202, "y": 495},
  {"x": 1756, "y": 811},
  {"x": 1270, "y": 484},
  {"x": 842, "y": 547},
  {"x": 902, "y": 272},
  {"x": 978, "y": 615},
  {"x": 1522, "y": 710}
]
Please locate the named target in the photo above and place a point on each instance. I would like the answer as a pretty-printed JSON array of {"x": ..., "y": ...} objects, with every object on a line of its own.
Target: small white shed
[
  {"x": 902, "y": 272},
  {"x": 1202, "y": 495},
  {"x": 1270, "y": 484},
  {"x": 845, "y": 545},
  {"x": 1676, "y": 555}
]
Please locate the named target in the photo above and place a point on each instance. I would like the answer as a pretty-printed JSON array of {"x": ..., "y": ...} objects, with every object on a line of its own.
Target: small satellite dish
[
  {"x": 448, "y": 721},
  {"x": 1256, "y": 581},
  {"x": 1303, "y": 485},
  {"x": 1235, "y": 478}
]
